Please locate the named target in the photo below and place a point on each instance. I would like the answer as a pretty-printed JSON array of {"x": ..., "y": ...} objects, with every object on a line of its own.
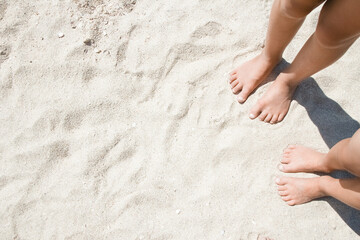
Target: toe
[
  {"x": 281, "y": 188},
  {"x": 234, "y": 83},
  {"x": 240, "y": 99},
  {"x": 237, "y": 88},
  {"x": 262, "y": 116},
  {"x": 255, "y": 111},
  {"x": 286, "y": 168},
  {"x": 274, "y": 119},
  {"x": 282, "y": 167},
  {"x": 281, "y": 117},
  {"x": 291, "y": 203},
  {"x": 283, "y": 193},
  {"x": 244, "y": 94},
  {"x": 286, "y": 156},
  {"x": 288, "y": 150},
  {"x": 281, "y": 180},
  {"x": 286, "y": 153},
  {"x": 286, "y": 198},
  {"x": 285, "y": 159},
  {"x": 268, "y": 118},
  {"x": 233, "y": 78}
]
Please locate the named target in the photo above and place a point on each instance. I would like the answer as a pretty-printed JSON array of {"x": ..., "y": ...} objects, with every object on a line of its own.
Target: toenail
[
  {"x": 240, "y": 99},
  {"x": 277, "y": 180},
  {"x": 251, "y": 116},
  {"x": 281, "y": 167}
]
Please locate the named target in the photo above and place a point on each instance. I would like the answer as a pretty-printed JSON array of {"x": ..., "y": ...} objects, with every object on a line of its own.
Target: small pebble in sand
[
  {"x": 223, "y": 232},
  {"x": 88, "y": 41},
  {"x": 133, "y": 125},
  {"x": 61, "y": 35},
  {"x": 104, "y": 33},
  {"x": 178, "y": 211},
  {"x": 96, "y": 50},
  {"x": 73, "y": 24}
]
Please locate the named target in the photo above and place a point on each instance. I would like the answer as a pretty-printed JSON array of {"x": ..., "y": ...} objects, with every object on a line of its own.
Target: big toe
[
  {"x": 243, "y": 95},
  {"x": 255, "y": 111},
  {"x": 281, "y": 180},
  {"x": 286, "y": 168}
]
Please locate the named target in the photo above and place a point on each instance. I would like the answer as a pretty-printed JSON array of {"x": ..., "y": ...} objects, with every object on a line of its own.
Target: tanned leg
[{"x": 338, "y": 28}]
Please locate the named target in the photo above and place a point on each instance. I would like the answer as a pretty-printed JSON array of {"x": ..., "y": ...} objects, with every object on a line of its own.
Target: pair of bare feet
[
  {"x": 297, "y": 158},
  {"x": 274, "y": 105},
  {"x": 272, "y": 108}
]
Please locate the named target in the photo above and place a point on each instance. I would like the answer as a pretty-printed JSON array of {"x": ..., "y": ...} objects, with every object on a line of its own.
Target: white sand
[{"x": 138, "y": 136}]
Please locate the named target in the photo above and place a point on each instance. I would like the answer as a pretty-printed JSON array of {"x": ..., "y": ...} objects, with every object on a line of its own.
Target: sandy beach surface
[{"x": 117, "y": 122}]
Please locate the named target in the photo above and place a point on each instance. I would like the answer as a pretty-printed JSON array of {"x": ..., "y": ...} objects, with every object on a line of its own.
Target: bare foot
[
  {"x": 297, "y": 158},
  {"x": 296, "y": 191},
  {"x": 274, "y": 105},
  {"x": 248, "y": 76}
]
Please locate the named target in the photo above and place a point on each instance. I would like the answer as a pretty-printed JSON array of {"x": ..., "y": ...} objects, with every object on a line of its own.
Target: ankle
[
  {"x": 322, "y": 165},
  {"x": 325, "y": 166},
  {"x": 289, "y": 79},
  {"x": 272, "y": 60},
  {"x": 324, "y": 183}
]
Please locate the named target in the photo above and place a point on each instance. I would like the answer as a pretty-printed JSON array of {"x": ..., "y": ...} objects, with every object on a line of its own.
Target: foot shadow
[{"x": 334, "y": 125}]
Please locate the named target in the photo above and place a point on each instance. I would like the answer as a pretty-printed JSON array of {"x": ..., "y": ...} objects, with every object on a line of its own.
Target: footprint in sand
[{"x": 210, "y": 29}]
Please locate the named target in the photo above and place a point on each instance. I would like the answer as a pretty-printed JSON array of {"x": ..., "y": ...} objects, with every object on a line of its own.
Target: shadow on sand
[{"x": 334, "y": 125}]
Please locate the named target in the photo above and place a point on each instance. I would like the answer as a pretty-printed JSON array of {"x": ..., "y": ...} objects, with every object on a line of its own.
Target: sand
[{"x": 117, "y": 122}]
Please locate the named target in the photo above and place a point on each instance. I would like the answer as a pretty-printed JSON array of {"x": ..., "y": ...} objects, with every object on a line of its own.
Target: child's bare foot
[
  {"x": 297, "y": 158},
  {"x": 248, "y": 76},
  {"x": 274, "y": 105},
  {"x": 296, "y": 191}
]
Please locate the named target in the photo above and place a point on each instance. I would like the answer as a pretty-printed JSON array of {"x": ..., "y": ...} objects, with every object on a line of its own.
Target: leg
[
  {"x": 335, "y": 33},
  {"x": 345, "y": 155},
  {"x": 285, "y": 19}
]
